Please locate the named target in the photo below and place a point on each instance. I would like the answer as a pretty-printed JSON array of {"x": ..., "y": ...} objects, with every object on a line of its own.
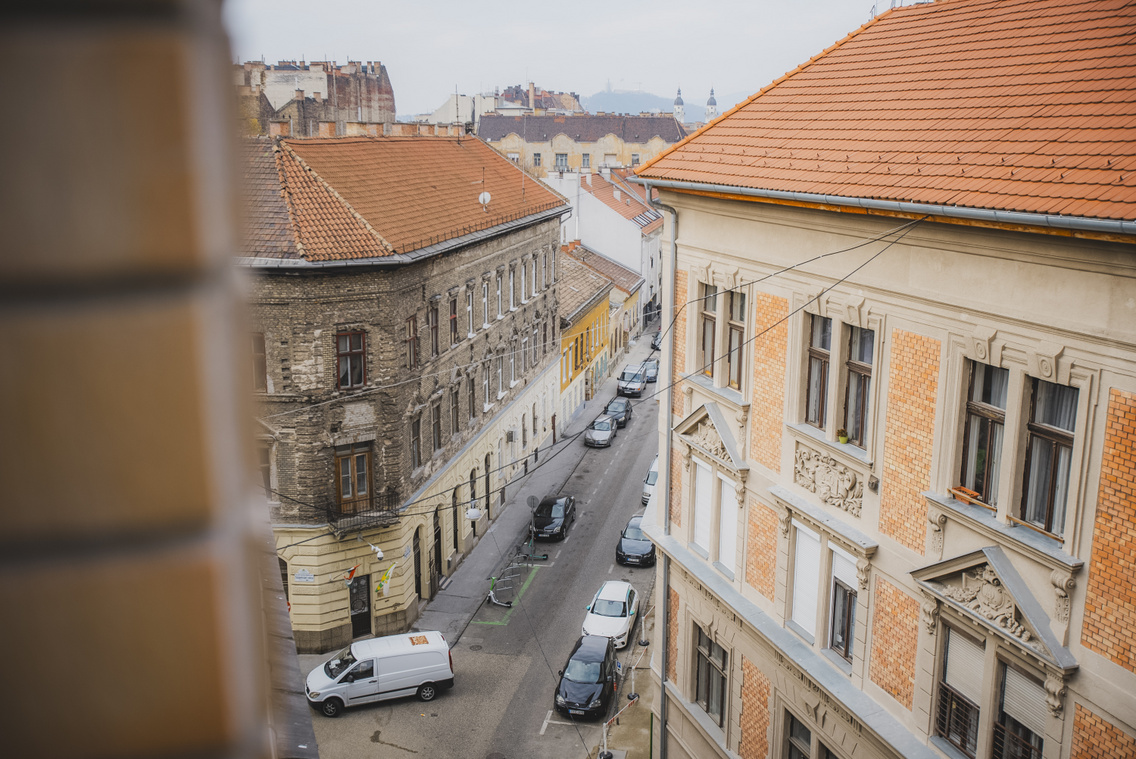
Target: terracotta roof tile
[
  {"x": 1025, "y": 105},
  {"x": 579, "y": 286},
  {"x": 627, "y": 204},
  {"x": 625, "y": 279}
]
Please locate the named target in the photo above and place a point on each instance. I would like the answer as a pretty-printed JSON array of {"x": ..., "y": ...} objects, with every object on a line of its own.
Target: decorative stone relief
[
  {"x": 1054, "y": 694},
  {"x": 863, "y": 567},
  {"x": 1063, "y": 582},
  {"x": 835, "y": 484},
  {"x": 981, "y": 591},
  {"x": 982, "y": 339},
  {"x": 930, "y": 611},
  {"x": 785, "y": 519},
  {"x": 937, "y": 520},
  {"x": 707, "y": 438},
  {"x": 686, "y": 458}
]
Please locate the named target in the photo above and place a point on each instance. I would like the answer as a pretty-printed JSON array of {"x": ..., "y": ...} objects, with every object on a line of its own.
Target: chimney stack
[
  {"x": 299, "y": 95},
  {"x": 279, "y": 129}
]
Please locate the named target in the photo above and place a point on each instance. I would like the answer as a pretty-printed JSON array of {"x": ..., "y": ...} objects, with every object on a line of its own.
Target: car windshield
[
  {"x": 339, "y": 663},
  {"x": 554, "y": 509},
  {"x": 628, "y": 375},
  {"x": 617, "y": 406},
  {"x": 603, "y": 425},
  {"x": 652, "y": 477},
  {"x": 582, "y": 671},
  {"x": 609, "y": 608},
  {"x": 633, "y": 532}
]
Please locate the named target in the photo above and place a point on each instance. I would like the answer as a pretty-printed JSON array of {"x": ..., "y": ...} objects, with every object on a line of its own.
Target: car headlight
[
  {"x": 314, "y": 694},
  {"x": 560, "y": 701},
  {"x": 596, "y": 702}
]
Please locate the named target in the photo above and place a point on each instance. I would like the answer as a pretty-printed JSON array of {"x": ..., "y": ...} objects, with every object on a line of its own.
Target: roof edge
[{"x": 1105, "y": 227}]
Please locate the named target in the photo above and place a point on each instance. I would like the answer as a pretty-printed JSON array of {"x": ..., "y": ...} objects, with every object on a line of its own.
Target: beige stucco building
[{"x": 901, "y": 464}]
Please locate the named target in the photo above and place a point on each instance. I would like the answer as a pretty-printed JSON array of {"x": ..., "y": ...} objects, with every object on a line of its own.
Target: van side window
[{"x": 364, "y": 669}]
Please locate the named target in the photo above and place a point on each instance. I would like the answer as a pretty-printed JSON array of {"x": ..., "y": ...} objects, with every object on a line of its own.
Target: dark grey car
[{"x": 601, "y": 432}]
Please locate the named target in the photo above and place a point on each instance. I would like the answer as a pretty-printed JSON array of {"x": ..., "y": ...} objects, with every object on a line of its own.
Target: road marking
[
  {"x": 609, "y": 569},
  {"x": 548, "y": 720},
  {"x": 557, "y": 556},
  {"x": 505, "y": 620}
]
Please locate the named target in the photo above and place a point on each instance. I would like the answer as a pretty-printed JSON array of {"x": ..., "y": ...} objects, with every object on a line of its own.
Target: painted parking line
[
  {"x": 611, "y": 569},
  {"x": 548, "y": 720},
  {"x": 505, "y": 620}
]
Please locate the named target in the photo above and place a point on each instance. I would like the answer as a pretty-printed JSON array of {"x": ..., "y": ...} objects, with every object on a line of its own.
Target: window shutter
[
  {"x": 844, "y": 568},
  {"x": 965, "y": 661},
  {"x": 1023, "y": 698},
  {"x": 703, "y": 485},
  {"x": 806, "y": 577},
  {"x": 727, "y": 524}
]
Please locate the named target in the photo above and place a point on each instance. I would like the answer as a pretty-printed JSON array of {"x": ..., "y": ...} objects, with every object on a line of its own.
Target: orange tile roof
[
  {"x": 1013, "y": 105},
  {"x": 366, "y": 197},
  {"x": 623, "y": 278},
  {"x": 627, "y": 205},
  {"x": 580, "y": 287}
]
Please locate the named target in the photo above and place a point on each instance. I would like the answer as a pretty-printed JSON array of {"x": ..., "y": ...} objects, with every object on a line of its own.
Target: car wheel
[
  {"x": 427, "y": 691},
  {"x": 331, "y": 707}
]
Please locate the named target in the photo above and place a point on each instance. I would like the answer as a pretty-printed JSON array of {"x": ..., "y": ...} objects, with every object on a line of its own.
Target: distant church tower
[
  {"x": 680, "y": 112},
  {"x": 711, "y": 107}
]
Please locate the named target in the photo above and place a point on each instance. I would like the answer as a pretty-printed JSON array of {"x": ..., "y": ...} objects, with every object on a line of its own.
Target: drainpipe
[{"x": 668, "y": 368}]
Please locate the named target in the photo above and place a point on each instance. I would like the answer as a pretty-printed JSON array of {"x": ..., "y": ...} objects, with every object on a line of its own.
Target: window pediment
[
  {"x": 707, "y": 431},
  {"x": 984, "y": 585}
]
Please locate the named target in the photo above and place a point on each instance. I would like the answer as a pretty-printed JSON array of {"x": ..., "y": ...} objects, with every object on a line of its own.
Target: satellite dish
[
  {"x": 484, "y": 199},
  {"x": 473, "y": 514}
]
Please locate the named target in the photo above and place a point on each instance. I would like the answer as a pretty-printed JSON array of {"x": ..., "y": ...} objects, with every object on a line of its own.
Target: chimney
[
  {"x": 316, "y": 96},
  {"x": 532, "y": 96},
  {"x": 299, "y": 95},
  {"x": 589, "y": 175},
  {"x": 615, "y": 192},
  {"x": 327, "y": 129},
  {"x": 279, "y": 129}
]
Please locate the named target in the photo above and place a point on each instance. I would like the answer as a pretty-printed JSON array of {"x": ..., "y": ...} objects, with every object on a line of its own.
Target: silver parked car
[
  {"x": 632, "y": 381},
  {"x": 601, "y": 432}
]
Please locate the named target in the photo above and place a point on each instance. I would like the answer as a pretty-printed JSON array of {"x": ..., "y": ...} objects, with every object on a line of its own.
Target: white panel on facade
[
  {"x": 806, "y": 577},
  {"x": 703, "y": 489},
  {"x": 1024, "y": 700},
  {"x": 727, "y": 524},
  {"x": 965, "y": 660},
  {"x": 844, "y": 567}
]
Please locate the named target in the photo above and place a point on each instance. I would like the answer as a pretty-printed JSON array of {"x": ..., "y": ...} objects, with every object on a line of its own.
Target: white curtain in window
[
  {"x": 1024, "y": 700},
  {"x": 965, "y": 660},
  {"x": 727, "y": 524},
  {"x": 806, "y": 577},
  {"x": 703, "y": 489}
]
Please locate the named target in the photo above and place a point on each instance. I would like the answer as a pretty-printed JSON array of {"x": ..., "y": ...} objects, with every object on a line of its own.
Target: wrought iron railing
[
  {"x": 375, "y": 510},
  {"x": 1007, "y": 745},
  {"x": 957, "y": 720}
]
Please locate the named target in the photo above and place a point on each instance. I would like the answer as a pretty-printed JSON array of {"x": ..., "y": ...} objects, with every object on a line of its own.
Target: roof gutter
[
  {"x": 402, "y": 259},
  {"x": 1015, "y": 218}
]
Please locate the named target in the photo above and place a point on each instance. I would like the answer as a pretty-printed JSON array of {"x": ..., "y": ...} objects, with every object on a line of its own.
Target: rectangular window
[
  {"x": 727, "y": 523},
  {"x": 1049, "y": 454},
  {"x": 352, "y": 475},
  {"x": 512, "y": 290},
  {"x": 703, "y": 495},
  {"x": 259, "y": 363},
  {"x": 609, "y": 159},
  {"x": 820, "y": 343},
  {"x": 514, "y": 157},
  {"x": 586, "y": 160},
  {"x": 709, "y": 300},
  {"x": 351, "y": 359},
  {"x": 536, "y": 159},
  {"x": 412, "y": 343},
  {"x": 710, "y": 677},
  {"x": 634, "y": 159},
  {"x": 469, "y": 311},
  {"x": 453, "y": 321},
  {"x": 960, "y": 691},
  {"x": 982, "y": 436},
  {"x": 806, "y": 578},
  {"x": 532, "y": 284},
  {"x": 861, "y": 344},
  {"x": 485, "y": 304},
  {"x": 513, "y": 366},
  {"x": 472, "y": 383},
  {"x": 485, "y": 383},
  {"x": 735, "y": 358},
  {"x": 264, "y": 465},
  {"x": 436, "y": 425},
  {"x": 416, "y": 444},
  {"x": 500, "y": 376},
  {"x": 455, "y": 411},
  {"x": 499, "y": 311},
  {"x": 432, "y": 323},
  {"x": 562, "y": 162},
  {"x": 524, "y": 281},
  {"x": 1021, "y": 719},
  {"x": 524, "y": 354},
  {"x": 799, "y": 739},
  {"x": 544, "y": 270},
  {"x": 842, "y": 627}
]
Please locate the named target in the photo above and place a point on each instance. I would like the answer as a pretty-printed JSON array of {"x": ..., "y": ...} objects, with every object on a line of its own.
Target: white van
[
  {"x": 650, "y": 480},
  {"x": 414, "y": 663}
]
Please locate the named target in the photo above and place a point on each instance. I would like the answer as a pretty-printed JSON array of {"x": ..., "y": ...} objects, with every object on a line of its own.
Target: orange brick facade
[
  {"x": 895, "y": 635},
  {"x": 761, "y": 548},
  {"x": 1096, "y": 738},
  {"x": 755, "y": 712},
  {"x": 1110, "y": 596},
  {"x": 678, "y": 344},
  {"x": 676, "y": 488},
  {"x": 672, "y": 633},
  {"x": 769, "y": 351},
  {"x": 913, "y": 381}
]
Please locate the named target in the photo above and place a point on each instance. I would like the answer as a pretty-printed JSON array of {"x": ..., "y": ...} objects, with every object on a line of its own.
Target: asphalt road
[{"x": 507, "y": 659}]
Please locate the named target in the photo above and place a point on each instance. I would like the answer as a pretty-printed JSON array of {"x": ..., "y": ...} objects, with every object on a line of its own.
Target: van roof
[{"x": 396, "y": 644}]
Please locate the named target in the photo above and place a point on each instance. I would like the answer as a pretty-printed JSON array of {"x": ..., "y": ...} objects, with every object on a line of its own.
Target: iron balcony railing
[{"x": 377, "y": 510}]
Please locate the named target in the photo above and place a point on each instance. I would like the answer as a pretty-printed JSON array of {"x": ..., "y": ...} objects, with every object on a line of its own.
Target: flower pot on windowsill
[{"x": 842, "y": 436}]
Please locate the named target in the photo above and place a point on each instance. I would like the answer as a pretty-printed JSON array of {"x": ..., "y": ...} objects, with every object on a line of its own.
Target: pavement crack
[{"x": 377, "y": 739}]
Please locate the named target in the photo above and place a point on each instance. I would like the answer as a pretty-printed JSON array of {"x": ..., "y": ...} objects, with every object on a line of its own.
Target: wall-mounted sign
[{"x": 303, "y": 575}]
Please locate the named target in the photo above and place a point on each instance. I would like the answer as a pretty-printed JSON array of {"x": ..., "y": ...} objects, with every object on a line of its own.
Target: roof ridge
[
  {"x": 382, "y": 241},
  {"x": 287, "y": 198},
  {"x": 871, "y": 22}
]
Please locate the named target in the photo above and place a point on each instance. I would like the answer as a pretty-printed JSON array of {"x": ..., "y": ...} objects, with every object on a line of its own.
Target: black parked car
[
  {"x": 651, "y": 369},
  {"x": 552, "y": 517},
  {"x": 587, "y": 682},
  {"x": 620, "y": 408},
  {"x": 633, "y": 546}
]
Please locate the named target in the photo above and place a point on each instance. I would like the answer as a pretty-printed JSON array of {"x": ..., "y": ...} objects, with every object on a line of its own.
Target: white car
[
  {"x": 613, "y": 612},
  {"x": 650, "y": 480}
]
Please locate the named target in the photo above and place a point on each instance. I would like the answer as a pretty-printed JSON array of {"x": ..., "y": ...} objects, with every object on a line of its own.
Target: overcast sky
[{"x": 736, "y": 46}]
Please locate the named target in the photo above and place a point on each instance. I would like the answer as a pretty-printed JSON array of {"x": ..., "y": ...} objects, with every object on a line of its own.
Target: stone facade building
[
  {"x": 406, "y": 335},
  {"x": 901, "y": 465}
]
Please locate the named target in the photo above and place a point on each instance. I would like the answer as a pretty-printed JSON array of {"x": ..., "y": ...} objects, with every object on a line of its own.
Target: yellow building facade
[{"x": 584, "y": 333}]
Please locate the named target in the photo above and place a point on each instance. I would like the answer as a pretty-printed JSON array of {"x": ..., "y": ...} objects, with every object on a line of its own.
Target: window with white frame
[
  {"x": 711, "y": 676},
  {"x": 727, "y": 524},
  {"x": 861, "y": 344},
  {"x": 984, "y": 430},
  {"x": 485, "y": 304},
  {"x": 960, "y": 691},
  {"x": 500, "y": 377},
  {"x": 707, "y": 321},
  {"x": 469, "y": 312},
  {"x": 532, "y": 273},
  {"x": 512, "y": 290},
  {"x": 1049, "y": 454},
  {"x": 500, "y": 313},
  {"x": 800, "y": 743},
  {"x": 735, "y": 345},
  {"x": 524, "y": 281},
  {"x": 485, "y": 383},
  {"x": 524, "y": 354},
  {"x": 806, "y": 578},
  {"x": 702, "y": 505},
  {"x": 820, "y": 343},
  {"x": 842, "y": 603},
  {"x": 472, "y": 389}
]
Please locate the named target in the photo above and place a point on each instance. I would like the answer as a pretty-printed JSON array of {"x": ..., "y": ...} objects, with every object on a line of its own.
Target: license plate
[{"x": 576, "y": 711}]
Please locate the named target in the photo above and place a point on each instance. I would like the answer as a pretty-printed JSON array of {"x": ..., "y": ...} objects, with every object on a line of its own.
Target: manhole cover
[{"x": 475, "y": 648}]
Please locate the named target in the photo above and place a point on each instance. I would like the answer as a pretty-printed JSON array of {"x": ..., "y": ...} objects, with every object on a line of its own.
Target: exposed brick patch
[
  {"x": 678, "y": 344},
  {"x": 913, "y": 380},
  {"x": 761, "y": 548},
  {"x": 895, "y": 635},
  {"x": 672, "y": 633},
  {"x": 675, "y": 493},
  {"x": 769, "y": 353},
  {"x": 1110, "y": 596},
  {"x": 755, "y": 712},
  {"x": 1096, "y": 738}
]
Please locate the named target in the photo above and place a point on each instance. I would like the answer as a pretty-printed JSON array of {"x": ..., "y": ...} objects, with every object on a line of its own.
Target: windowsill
[
  {"x": 802, "y": 632},
  {"x": 853, "y": 452},
  {"x": 485, "y": 325},
  {"x": 512, "y": 309},
  {"x": 513, "y": 384},
  {"x": 841, "y": 663},
  {"x": 471, "y": 335},
  {"x": 727, "y": 394},
  {"x": 487, "y": 408},
  {"x": 696, "y": 712},
  {"x": 500, "y": 317},
  {"x": 800, "y": 507},
  {"x": 1042, "y": 548},
  {"x": 724, "y": 571},
  {"x": 501, "y": 395},
  {"x": 699, "y": 550}
]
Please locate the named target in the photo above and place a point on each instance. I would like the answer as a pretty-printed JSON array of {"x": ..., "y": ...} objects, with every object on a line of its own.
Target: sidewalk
[{"x": 451, "y": 610}]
